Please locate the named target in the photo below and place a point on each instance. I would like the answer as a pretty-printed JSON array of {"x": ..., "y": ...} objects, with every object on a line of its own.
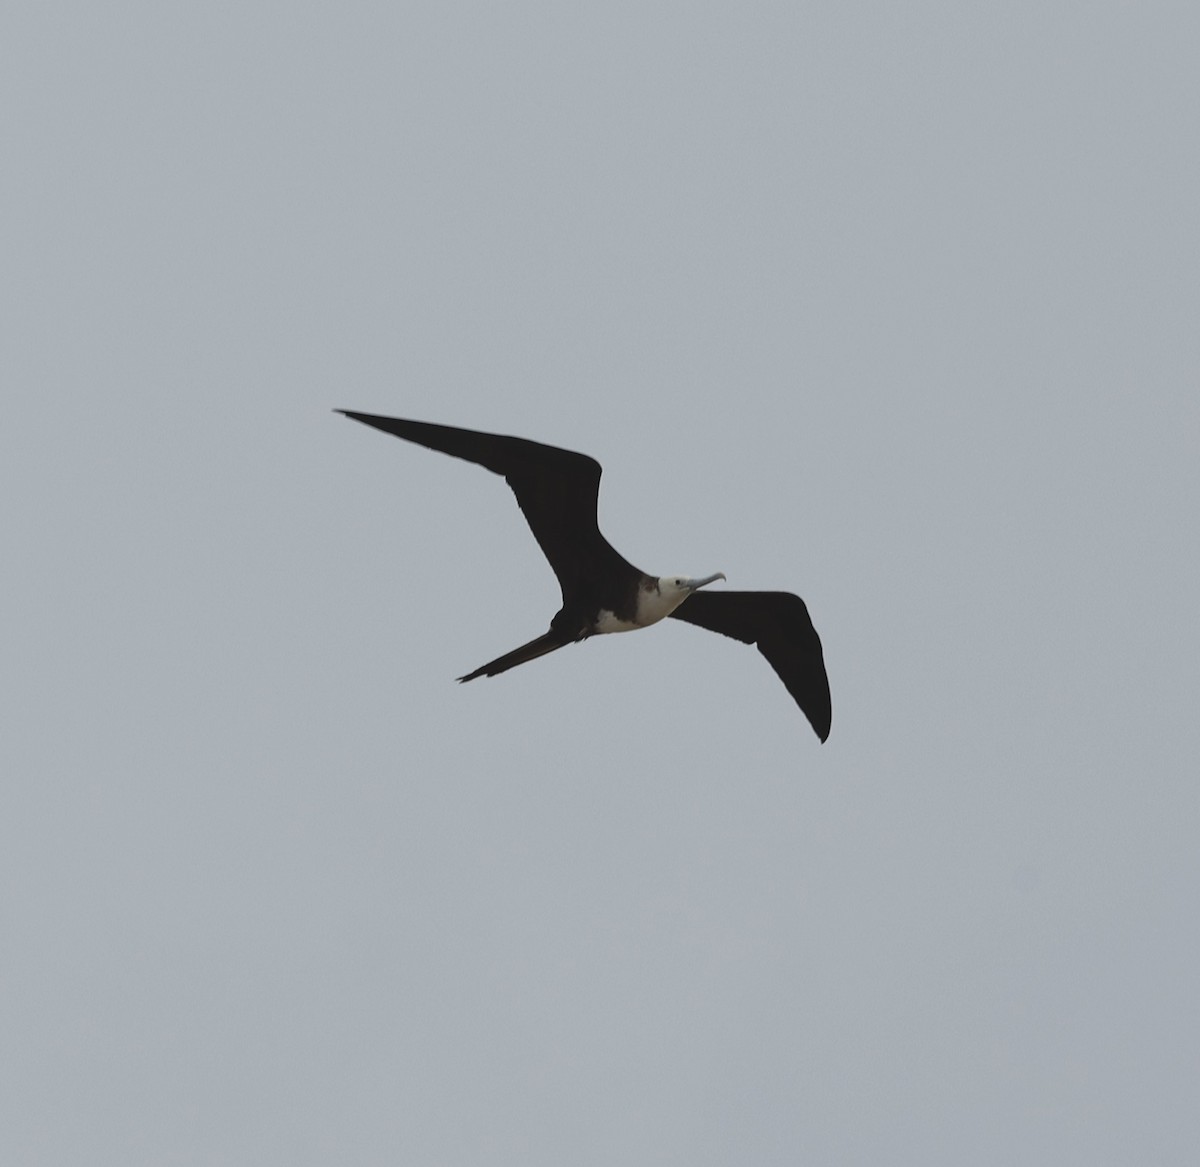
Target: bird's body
[{"x": 604, "y": 593}]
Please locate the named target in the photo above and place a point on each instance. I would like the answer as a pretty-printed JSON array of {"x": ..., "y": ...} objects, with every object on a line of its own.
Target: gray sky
[{"x": 893, "y": 306}]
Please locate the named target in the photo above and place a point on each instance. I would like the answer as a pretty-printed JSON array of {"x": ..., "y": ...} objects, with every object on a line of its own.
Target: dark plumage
[
  {"x": 601, "y": 591},
  {"x": 779, "y": 624}
]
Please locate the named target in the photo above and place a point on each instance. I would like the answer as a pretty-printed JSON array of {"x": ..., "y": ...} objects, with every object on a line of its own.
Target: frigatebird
[{"x": 601, "y": 591}]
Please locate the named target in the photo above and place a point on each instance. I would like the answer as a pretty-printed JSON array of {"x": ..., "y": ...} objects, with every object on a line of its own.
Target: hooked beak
[{"x": 695, "y": 584}]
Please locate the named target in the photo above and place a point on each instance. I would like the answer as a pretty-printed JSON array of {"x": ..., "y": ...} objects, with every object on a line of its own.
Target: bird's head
[{"x": 681, "y": 586}]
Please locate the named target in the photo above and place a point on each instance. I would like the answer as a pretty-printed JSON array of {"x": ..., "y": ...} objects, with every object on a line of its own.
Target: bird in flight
[{"x": 601, "y": 591}]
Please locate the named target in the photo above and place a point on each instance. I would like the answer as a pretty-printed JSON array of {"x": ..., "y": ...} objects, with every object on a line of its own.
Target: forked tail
[{"x": 531, "y": 651}]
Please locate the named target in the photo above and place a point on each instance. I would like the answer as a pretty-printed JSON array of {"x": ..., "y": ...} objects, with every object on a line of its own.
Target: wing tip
[{"x": 821, "y": 718}]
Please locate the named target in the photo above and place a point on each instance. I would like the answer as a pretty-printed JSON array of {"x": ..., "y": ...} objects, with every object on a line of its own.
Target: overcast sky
[{"x": 894, "y": 306}]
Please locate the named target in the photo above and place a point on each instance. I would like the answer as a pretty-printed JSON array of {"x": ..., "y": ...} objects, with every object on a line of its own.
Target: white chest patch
[
  {"x": 608, "y": 622},
  {"x": 653, "y": 605}
]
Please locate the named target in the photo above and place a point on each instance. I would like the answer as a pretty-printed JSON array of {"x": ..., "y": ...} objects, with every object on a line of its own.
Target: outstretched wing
[
  {"x": 778, "y": 622},
  {"x": 556, "y": 490}
]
